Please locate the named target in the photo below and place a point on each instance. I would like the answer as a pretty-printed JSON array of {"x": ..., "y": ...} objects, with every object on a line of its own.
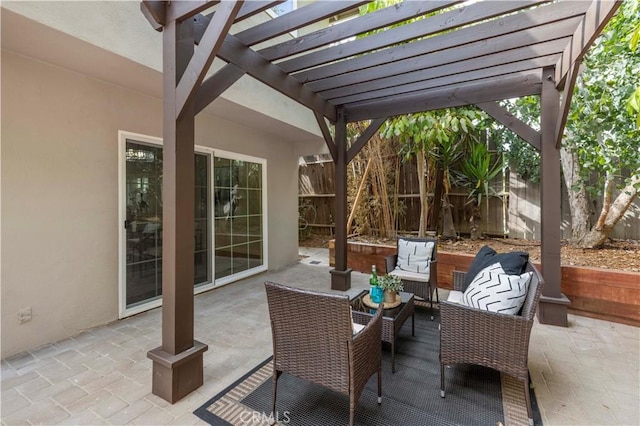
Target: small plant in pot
[{"x": 392, "y": 285}]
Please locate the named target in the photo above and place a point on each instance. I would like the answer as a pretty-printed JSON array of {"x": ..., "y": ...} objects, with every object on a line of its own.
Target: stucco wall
[
  {"x": 121, "y": 28},
  {"x": 59, "y": 220}
]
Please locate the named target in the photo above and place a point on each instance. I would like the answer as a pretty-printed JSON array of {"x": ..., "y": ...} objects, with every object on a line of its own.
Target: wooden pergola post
[
  {"x": 553, "y": 304},
  {"x": 178, "y": 363},
  {"x": 341, "y": 275}
]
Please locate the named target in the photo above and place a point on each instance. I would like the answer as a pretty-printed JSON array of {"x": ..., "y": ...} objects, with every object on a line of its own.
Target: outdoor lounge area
[
  {"x": 586, "y": 374},
  {"x": 150, "y": 151}
]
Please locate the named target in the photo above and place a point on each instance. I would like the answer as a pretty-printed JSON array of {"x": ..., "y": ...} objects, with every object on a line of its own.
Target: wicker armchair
[
  {"x": 426, "y": 286},
  {"x": 498, "y": 341},
  {"x": 313, "y": 340}
]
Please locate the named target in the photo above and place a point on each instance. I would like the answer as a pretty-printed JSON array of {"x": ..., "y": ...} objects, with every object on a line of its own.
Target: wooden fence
[
  {"x": 524, "y": 213},
  {"x": 514, "y": 212},
  {"x": 316, "y": 198}
]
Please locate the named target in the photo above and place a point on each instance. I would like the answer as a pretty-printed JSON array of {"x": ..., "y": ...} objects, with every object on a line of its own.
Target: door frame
[{"x": 123, "y": 311}]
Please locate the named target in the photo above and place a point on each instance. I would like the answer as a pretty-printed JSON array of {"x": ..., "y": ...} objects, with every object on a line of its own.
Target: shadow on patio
[{"x": 585, "y": 374}]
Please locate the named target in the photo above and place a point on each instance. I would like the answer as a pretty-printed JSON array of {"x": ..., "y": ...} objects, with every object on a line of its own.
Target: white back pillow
[{"x": 414, "y": 256}]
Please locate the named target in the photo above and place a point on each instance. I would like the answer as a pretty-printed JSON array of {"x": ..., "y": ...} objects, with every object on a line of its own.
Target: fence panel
[{"x": 317, "y": 189}]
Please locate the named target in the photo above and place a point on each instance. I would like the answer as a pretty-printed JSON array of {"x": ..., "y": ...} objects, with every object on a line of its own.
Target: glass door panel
[
  {"x": 143, "y": 194},
  {"x": 144, "y": 222},
  {"x": 238, "y": 216}
]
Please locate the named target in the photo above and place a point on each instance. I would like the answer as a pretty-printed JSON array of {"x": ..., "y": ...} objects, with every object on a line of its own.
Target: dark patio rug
[{"x": 474, "y": 395}]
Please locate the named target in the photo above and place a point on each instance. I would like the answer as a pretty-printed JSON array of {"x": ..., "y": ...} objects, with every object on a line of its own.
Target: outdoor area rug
[{"x": 474, "y": 395}]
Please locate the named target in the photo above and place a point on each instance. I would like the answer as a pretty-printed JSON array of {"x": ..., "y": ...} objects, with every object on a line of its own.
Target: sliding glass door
[
  {"x": 229, "y": 235},
  {"x": 143, "y": 223},
  {"x": 238, "y": 216}
]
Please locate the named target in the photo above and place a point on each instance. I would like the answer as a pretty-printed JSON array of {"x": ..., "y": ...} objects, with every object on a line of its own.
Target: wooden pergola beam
[
  {"x": 362, "y": 24},
  {"x": 551, "y": 17},
  {"x": 426, "y": 67},
  {"x": 181, "y": 10},
  {"x": 155, "y": 12},
  {"x": 574, "y": 71},
  {"x": 483, "y": 91},
  {"x": 362, "y": 140},
  {"x": 422, "y": 28},
  {"x": 593, "y": 22},
  {"x": 511, "y": 122},
  {"x": 326, "y": 134},
  {"x": 207, "y": 50},
  {"x": 235, "y": 52},
  {"x": 216, "y": 85},
  {"x": 298, "y": 18},
  {"x": 511, "y": 69}
]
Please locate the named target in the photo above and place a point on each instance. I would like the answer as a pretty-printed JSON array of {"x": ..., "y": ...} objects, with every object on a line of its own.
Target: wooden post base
[
  {"x": 341, "y": 280},
  {"x": 176, "y": 376},
  {"x": 553, "y": 310}
]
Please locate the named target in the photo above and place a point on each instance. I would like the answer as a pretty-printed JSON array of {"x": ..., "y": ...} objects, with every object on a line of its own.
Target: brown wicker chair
[
  {"x": 426, "y": 287},
  {"x": 313, "y": 340},
  {"x": 498, "y": 341}
]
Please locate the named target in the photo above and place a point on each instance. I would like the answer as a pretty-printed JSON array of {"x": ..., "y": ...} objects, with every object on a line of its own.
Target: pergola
[{"x": 457, "y": 53}]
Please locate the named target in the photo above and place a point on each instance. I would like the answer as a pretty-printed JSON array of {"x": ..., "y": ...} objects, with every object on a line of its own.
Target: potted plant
[{"x": 391, "y": 284}]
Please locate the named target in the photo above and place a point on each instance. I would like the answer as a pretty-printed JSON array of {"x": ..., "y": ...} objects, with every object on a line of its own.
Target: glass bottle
[{"x": 376, "y": 292}]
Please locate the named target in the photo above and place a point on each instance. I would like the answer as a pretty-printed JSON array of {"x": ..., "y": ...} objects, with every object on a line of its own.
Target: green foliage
[
  {"x": 522, "y": 158},
  {"x": 599, "y": 128},
  {"x": 440, "y": 133},
  {"x": 477, "y": 170},
  {"x": 390, "y": 283}
]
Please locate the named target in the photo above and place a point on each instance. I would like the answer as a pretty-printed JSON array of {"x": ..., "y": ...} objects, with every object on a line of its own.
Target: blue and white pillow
[
  {"x": 493, "y": 290},
  {"x": 414, "y": 256}
]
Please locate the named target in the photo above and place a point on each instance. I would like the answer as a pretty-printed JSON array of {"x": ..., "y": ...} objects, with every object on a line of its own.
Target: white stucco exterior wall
[
  {"x": 59, "y": 219},
  {"x": 121, "y": 28}
]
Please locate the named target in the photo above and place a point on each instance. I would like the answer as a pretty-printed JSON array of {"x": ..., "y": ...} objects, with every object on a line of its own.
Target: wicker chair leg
[
  {"x": 352, "y": 412},
  {"x": 442, "y": 380},
  {"x": 380, "y": 386},
  {"x": 431, "y": 301},
  {"x": 276, "y": 375},
  {"x": 527, "y": 395}
]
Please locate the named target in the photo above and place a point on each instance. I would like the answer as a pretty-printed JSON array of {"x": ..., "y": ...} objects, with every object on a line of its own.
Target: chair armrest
[
  {"x": 433, "y": 273},
  {"x": 458, "y": 280},
  {"x": 366, "y": 348},
  {"x": 470, "y": 335},
  {"x": 391, "y": 262}
]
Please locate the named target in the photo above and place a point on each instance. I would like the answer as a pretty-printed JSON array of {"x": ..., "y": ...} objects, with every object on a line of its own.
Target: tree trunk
[
  {"x": 424, "y": 198},
  {"x": 448, "y": 229},
  {"x": 474, "y": 222},
  {"x": 579, "y": 202},
  {"x": 608, "y": 220}
]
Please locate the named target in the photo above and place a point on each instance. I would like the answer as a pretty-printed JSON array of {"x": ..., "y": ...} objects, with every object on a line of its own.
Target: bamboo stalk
[{"x": 356, "y": 201}]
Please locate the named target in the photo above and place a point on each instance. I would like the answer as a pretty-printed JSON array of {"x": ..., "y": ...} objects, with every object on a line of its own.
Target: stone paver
[{"x": 585, "y": 374}]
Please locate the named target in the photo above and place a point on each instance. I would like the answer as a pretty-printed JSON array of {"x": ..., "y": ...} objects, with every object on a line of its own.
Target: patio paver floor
[{"x": 587, "y": 374}]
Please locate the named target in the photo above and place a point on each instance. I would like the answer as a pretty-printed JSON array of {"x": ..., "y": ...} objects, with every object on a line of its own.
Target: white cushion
[
  {"x": 455, "y": 296},
  {"x": 411, "y": 276},
  {"x": 496, "y": 292},
  {"x": 357, "y": 327},
  {"x": 414, "y": 256}
]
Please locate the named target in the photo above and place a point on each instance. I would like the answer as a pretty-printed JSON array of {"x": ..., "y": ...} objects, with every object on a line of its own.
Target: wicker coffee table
[{"x": 392, "y": 320}]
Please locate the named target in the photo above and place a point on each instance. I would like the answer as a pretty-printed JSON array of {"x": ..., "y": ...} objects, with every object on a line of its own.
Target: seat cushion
[
  {"x": 496, "y": 292},
  {"x": 414, "y": 256},
  {"x": 513, "y": 263},
  {"x": 455, "y": 297},
  {"x": 411, "y": 276}
]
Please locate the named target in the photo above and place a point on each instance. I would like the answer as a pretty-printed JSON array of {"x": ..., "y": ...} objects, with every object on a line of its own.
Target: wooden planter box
[{"x": 594, "y": 292}]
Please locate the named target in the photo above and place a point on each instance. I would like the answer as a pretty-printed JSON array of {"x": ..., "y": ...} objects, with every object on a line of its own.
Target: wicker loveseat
[
  {"x": 495, "y": 340},
  {"x": 420, "y": 284},
  {"x": 313, "y": 339}
]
